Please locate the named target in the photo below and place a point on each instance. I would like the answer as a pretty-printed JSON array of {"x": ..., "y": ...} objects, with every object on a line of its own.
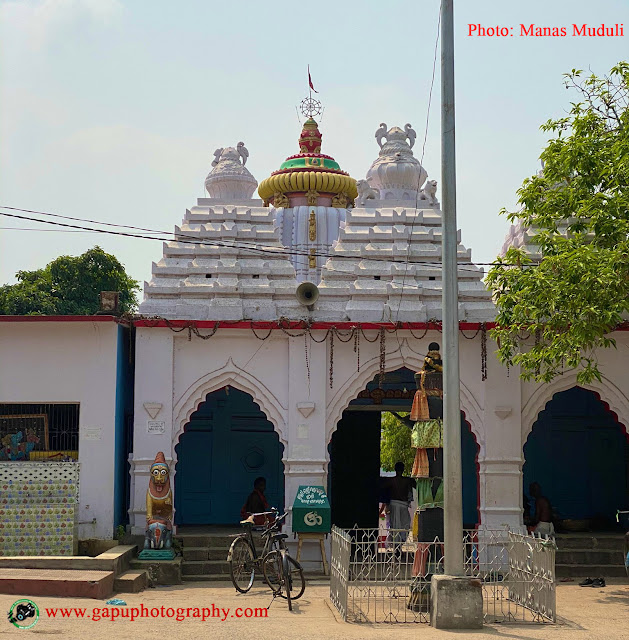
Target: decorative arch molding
[
  {"x": 229, "y": 374},
  {"x": 350, "y": 389},
  {"x": 607, "y": 391}
]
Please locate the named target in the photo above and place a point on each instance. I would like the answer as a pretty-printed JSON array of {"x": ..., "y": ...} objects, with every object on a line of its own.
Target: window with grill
[{"x": 39, "y": 432}]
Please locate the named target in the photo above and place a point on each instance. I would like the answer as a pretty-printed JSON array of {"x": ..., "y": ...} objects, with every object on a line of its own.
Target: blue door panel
[
  {"x": 577, "y": 452},
  {"x": 226, "y": 445}
]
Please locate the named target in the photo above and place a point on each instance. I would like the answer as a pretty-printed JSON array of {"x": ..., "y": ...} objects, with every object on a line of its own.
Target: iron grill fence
[
  {"x": 39, "y": 432},
  {"x": 388, "y": 579}
]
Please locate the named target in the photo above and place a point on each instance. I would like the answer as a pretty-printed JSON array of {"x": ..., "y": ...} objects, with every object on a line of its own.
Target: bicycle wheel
[
  {"x": 241, "y": 564},
  {"x": 272, "y": 568},
  {"x": 286, "y": 577},
  {"x": 295, "y": 577}
]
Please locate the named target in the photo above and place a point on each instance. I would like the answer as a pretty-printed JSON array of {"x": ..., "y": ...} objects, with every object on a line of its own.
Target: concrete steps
[
  {"x": 590, "y": 571},
  {"x": 590, "y": 555},
  {"x": 132, "y": 581},
  {"x": 116, "y": 559},
  {"x": 218, "y": 568},
  {"x": 73, "y": 583},
  {"x": 205, "y": 555},
  {"x": 72, "y": 576}
]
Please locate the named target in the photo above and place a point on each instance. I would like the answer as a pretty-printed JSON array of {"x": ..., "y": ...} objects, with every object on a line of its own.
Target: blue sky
[{"x": 111, "y": 109}]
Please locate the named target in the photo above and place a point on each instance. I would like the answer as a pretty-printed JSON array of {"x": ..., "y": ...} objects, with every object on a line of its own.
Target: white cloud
[{"x": 35, "y": 24}]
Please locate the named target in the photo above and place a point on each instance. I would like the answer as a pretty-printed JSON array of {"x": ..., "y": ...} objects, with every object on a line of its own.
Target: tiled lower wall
[{"x": 38, "y": 508}]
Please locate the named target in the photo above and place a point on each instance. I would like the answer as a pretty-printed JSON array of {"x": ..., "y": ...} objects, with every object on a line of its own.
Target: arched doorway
[
  {"x": 226, "y": 444},
  {"x": 354, "y": 448},
  {"x": 578, "y": 451}
]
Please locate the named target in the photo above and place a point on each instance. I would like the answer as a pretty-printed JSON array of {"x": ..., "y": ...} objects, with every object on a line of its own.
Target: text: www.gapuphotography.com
[
  {"x": 547, "y": 31},
  {"x": 179, "y": 614}
]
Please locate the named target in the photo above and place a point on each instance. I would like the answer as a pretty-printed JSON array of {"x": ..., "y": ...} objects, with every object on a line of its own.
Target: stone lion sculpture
[
  {"x": 366, "y": 192},
  {"x": 429, "y": 192}
]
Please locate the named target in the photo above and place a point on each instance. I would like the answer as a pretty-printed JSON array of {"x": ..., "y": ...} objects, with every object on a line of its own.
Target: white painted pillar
[
  {"x": 305, "y": 455},
  {"x": 153, "y": 384},
  {"x": 502, "y": 459}
]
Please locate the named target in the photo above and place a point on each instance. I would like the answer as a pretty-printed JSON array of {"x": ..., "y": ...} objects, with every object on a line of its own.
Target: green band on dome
[{"x": 310, "y": 163}]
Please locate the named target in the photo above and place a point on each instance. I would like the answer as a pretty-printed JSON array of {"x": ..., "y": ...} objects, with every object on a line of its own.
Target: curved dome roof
[{"x": 309, "y": 173}]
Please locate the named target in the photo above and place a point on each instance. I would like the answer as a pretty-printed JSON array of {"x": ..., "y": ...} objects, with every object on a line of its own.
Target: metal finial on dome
[{"x": 310, "y": 107}]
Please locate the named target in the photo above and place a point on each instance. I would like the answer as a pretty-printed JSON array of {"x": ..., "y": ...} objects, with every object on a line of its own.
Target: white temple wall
[
  {"x": 305, "y": 410},
  {"x": 68, "y": 362}
]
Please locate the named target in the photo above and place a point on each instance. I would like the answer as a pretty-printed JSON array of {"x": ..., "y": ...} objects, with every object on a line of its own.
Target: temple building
[{"x": 276, "y": 329}]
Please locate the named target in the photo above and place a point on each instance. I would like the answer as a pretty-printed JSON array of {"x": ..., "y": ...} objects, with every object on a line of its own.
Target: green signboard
[{"x": 311, "y": 510}]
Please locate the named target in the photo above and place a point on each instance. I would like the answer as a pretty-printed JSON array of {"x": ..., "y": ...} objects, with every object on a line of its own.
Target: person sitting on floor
[
  {"x": 256, "y": 503},
  {"x": 543, "y": 518}
]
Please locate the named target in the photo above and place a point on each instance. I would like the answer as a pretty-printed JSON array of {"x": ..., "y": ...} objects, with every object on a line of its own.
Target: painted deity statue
[{"x": 159, "y": 506}]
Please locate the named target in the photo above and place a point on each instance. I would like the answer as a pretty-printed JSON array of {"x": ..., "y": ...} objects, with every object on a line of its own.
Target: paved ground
[{"x": 586, "y": 614}]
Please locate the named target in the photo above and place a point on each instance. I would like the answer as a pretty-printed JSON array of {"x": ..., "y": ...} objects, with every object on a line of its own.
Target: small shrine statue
[
  {"x": 429, "y": 383},
  {"x": 159, "y": 507}
]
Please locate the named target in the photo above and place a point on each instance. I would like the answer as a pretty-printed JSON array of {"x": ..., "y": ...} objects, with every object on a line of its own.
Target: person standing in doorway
[{"x": 400, "y": 496}]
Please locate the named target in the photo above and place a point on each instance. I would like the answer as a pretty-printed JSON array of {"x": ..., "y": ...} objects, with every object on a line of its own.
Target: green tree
[
  {"x": 559, "y": 300},
  {"x": 395, "y": 443},
  {"x": 69, "y": 286}
]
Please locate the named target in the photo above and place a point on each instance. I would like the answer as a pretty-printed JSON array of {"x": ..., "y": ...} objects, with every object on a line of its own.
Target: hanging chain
[
  {"x": 383, "y": 355},
  {"x": 257, "y": 336},
  {"x": 357, "y": 349},
  {"x": 332, "y": 358},
  {"x": 423, "y": 335},
  {"x": 483, "y": 351},
  {"x": 307, "y": 359},
  {"x": 471, "y": 337},
  {"x": 538, "y": 337}
]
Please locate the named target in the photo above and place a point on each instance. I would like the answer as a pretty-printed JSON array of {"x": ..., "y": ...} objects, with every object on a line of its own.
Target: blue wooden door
[
  {"x": 577, "y": 452},
  {"x": 226, "y": 445}
]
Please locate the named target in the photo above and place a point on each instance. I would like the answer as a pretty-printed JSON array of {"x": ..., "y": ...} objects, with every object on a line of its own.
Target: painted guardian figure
[{"x": 159, "y": 506}]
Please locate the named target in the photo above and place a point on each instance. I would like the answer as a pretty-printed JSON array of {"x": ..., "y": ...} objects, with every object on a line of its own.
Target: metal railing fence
[{"x": 375, "y": 579}]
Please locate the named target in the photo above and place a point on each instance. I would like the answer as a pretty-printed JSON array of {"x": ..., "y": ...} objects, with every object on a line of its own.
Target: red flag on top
[{"x": 310, "y": 81}]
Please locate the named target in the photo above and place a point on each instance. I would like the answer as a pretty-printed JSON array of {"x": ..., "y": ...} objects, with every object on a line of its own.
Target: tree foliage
[
  {"x": 395, "y": 443},
  {"x": 69, "y": 286},
  {"x": 558, "y": 303}
]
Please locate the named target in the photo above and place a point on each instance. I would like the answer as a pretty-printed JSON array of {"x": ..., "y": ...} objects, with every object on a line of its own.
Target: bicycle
[{"x": 281, "y": 572}]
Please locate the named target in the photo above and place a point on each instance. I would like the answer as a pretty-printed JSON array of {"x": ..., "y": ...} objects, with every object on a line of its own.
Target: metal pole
[{"x": 453, "y": 501}]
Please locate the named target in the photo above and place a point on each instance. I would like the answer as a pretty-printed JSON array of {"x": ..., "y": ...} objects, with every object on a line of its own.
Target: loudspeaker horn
[{"x": 307, "y": 293}]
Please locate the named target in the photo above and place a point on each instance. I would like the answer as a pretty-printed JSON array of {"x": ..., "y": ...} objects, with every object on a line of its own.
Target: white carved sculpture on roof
[
  {"x": 366, "y": 192},
  {"x": 230, "y": 179},
  {"x": 396, "y": 173},
  {"x": 429, "y": 192}
]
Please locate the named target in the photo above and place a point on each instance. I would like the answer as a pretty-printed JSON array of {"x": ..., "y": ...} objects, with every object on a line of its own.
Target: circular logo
[
  {"x": 312, "y": 519},
  {"x": 23, "y": 614}
]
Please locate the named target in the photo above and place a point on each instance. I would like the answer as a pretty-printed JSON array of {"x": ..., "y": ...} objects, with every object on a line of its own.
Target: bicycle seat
[{"x": 280, "y": 536}]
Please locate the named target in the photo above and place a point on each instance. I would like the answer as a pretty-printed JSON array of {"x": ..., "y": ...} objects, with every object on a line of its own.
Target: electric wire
[
  {"x": 410, "y": 236},
  {"x": 240, "y": 244},
  {"x": 250, "y": 249}
]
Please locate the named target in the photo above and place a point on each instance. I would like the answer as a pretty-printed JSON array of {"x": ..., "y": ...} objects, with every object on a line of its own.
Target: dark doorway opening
[
  {"x": 578, "y": 453},
  {"x": 354, "y": 469},
  {"x": 226, "y": 445}
]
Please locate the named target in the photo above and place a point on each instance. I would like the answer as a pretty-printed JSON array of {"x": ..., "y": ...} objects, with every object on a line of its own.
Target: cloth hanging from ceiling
[
  {"x": 419, "y": 410},
  {"x": 429, "y": 493},
  {"x": 427, "y": 434},
  {"x": 421, "y": 466}
]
